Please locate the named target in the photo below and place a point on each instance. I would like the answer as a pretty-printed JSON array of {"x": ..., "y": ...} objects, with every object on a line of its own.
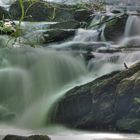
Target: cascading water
[
  {"x": 32, "y": 76},
  {"x": 132, "y": 32},
  {"x": 132, "y": 26},
  {"x": 87, "y": 35},
  {"x": 32, "y": 79}
]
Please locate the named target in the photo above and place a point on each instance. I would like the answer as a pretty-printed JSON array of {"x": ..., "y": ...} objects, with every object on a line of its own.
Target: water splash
[{"x": 32, "y": 77}]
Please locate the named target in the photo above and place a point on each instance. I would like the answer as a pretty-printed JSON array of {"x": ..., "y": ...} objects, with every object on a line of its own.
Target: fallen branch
[{"x": 126, "y": 67}]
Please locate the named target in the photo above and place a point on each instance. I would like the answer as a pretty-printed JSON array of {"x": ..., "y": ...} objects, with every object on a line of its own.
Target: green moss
[{"x": 131, "y": 125}]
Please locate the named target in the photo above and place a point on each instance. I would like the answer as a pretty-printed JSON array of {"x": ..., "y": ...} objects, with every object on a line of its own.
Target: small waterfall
[
  {"x": 130, "y": 57},
  {"x": 105, "y": 63},
  {"x": 132, "y": 26},
  {"x": 87, "y": 35},
  {"x": 30, "y": 79}
]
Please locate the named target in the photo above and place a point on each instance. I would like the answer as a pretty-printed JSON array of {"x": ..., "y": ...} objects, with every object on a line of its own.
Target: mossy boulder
[
  {"x": 106, "y": 103},
  {"x": 42, "y": 11},
  {"x": 48, "y": 11},
  {"x": 129, "y": 125},
  {"x": 114, "y": 29},
  {"x": 57, "y": 35}
]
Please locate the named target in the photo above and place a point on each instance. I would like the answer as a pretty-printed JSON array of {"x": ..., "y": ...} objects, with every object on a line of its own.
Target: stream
[{"x": 33, "y": 79}]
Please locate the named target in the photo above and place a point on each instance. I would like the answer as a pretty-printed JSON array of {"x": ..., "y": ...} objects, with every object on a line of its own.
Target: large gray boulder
[
  {"x": 41, "y": 11},
  {"x": 106, "y": 103},
  {"x": 49, "y": 11}
]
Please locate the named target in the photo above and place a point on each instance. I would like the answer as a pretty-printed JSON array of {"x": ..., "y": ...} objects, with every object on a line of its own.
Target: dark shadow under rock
[{"x": 33, "y": 137}]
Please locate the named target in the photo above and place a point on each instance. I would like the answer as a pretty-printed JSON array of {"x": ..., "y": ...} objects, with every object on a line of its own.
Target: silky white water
[
  {"x": 132, "y": 26},
  {"x": 33, "y": 79}
]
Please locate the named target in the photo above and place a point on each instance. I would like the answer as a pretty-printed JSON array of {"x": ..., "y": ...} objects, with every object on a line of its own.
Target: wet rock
[
  {"x": 3, "y": 13},
  {"x": 117, "y": 11},
  {"x": 33, "y": 137},
  {"x": 129, "y": 125},
  {"x": 107, "y": 103},
  {"x": 114, "y": 29},
  {"x": 108, "y": 50},
  {"x": 49, "y": 11},
  {"x": 83, "y": 15},
  {"x": 42, "y": 11},
  {"x": 66, "y": 25},
  {"x": 57, "y": 35},
  {"x": 88, "y": 55}
]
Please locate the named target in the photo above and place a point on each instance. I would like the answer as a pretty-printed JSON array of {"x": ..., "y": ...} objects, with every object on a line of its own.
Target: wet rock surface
[
  {"x": 115, "y": 28},
  {"x": 33, "y": 137},
  {"x": 66, "y": 25},
  {"x": 83, "y": 15},
  {"x": 48, "y": 11},
  {"x": 57, "y": 35},
  {"x": 41, "y": 11},
  {"x": 108, "y": 50},
  {"x": 108, "y": 103}
]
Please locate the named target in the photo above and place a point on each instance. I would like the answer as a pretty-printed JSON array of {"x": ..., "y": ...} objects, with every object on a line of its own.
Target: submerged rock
[
  {"x": 106, "y": 103},
  {"x": 33, "y": 137}
]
